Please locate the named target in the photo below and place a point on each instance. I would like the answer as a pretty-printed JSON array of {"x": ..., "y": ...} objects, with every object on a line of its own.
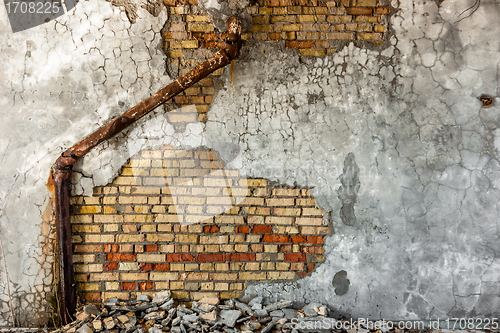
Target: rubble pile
[{"x": 161, "y": 314}]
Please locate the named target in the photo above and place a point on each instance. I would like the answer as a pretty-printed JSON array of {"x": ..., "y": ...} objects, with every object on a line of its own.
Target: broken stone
[
  {"x": 176, "y": 321},
  {"x": 97, "y": 324},
  {"x": 209, "y": 317},
  {"x": 82, "y": 316},
  {"x": 229, "y": 317},
  {"x": 260, "y": 313},
  {"x": 255, "y": 301},
  {"x": 289, "y": 313},
  {"x": 109, "y": 323},
  {"x": 278, "y": 305},
  {"x": 142, "y": 298},
  {"x": 277, "y": 313},
  {"x": 86, "y": 328},
  {"x": 155, "y": 330},
  {"x": 281, "y": 321},
  {"x": 91, "y": 309},
  {"x": 309, "y": 309},
  {"x": 176, "y": 329},
  {"x": 191, "y": 318},
  {"x": 167, "y": 305},
  {"x": 161, "y": 296},
  {"x": 123, "y": 318},
  {"x": 155, "y": 315},
  {"x": 269, "y": 327},
  {"x": 243, "y": 307},
  {"x": 111, "y": 302}
]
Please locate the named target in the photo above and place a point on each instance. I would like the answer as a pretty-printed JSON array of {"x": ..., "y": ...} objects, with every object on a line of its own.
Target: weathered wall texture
[{"x": 393, "y": 142}]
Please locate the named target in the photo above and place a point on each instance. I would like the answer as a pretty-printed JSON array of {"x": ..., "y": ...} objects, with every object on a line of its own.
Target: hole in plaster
[
  {"x": 341, "y": 283},
  {"x": 486, "y": 100}
]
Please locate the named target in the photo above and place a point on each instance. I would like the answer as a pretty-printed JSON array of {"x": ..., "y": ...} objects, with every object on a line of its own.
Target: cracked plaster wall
[{"x": 395, "y": 140}]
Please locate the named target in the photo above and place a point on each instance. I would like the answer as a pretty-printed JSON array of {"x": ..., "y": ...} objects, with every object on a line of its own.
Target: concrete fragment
[{"x": 229, "y": 317}]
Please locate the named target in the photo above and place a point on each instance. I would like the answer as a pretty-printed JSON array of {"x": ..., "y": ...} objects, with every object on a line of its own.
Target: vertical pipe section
[{"x": 61, "y": 171}]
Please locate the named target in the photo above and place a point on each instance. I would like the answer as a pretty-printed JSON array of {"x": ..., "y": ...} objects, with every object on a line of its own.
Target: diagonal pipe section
[{"x": 62, "y": 169}]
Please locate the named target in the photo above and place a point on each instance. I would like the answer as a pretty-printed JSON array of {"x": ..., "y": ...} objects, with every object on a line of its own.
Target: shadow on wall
[{"x": 178, "y": 219}]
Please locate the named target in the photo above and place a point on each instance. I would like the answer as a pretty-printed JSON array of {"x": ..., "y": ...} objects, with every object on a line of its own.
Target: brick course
[{"x": 152, "y": 247}]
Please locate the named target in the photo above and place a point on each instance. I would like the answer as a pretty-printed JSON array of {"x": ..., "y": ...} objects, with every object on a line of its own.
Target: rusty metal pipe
[{"x": 61, "y": 171}]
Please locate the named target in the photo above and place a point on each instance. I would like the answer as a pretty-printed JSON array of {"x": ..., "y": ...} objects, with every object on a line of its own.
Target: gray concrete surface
[{"x": 394, "y": 142}]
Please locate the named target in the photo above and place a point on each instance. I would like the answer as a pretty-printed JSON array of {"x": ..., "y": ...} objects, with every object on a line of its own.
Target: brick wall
[
  {"x": 176, "y": 219},
  {"x": 315, "y": 28}
]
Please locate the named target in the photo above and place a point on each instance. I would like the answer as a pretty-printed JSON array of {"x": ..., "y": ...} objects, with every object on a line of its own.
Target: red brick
[
  {"x": 299, "y": 239},
  {"x": 162, "y": 267},
  {"x": 240, "y": 257},
  {"x": 315, "y": 239},
  {"x": 276, "y": 239},
  {"x": 180, "y": 257},
  {"x": 359, "y": 11},
  {"x": 92, "y": 296},
  {"x": 310, "y": 267},
  {"x": 299, "y": 44},
  {"x": 151, "y": 248},
  {"x": 295, "y": 257},
  {"x": 261, "y": 229},
  {"x": 210, "y": 229},
  {"x": 110, "y": 266},
  {"x": 312, "y": 249},
  {"x": 285, "y": 248},
  {"x": 128, "y": 285},
  {"x": 145, "y": 285},
  {"x": 121, "y": 257},
  {"x": 302, "y": 274},
  {"x": 111, "y": 247},
  {"x": 211, "y": 257},
  {"x": 146, "y": 267},
  {"x": 244, "y": 229}
]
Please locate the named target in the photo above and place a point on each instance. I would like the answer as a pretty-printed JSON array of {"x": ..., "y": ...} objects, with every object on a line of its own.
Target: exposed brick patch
[{"x": 271, "y": 233}]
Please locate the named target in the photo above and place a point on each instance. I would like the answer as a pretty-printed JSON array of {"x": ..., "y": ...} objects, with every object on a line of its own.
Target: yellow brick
[
  {"x": 315, "y": 10},
  {"x": 99, "y": 238},
  {"x": 252, "y": 266},
  {"x": 227, "y": 248},
  {"x": 291, "y": 27},
  {"x": 260, "y": 19},
  {"x": 150, "y": 257},
  {"x": 169, "y": 218},
  {"x": 251, "y": 238},
  {"x": 253, "y": 182},
  {"x": 176, "y": 285},
  {"x": 268, "y": 266},
  {"x": 237, "y": 286},
  {"x": 280, "y": 10},
  {"x": 132, "y": 200},
  {"x": 88, "y": 268},
  {"x": 138, "y": 218},
  {"x": 230, "y": 294},
  {"x": 200, "y": 27},
  {"x": 110, "y": 227},
  {"x": 282, "y": 266},
  {"x": 159, "y": 238},
  {"x": 83, "y": 258},
  {"x": 278, "y": 220},
  {"x": 127, "y": 181},
  {"x": 207, "y": 266},
  {"x": 221, "y": 267},
  {"x": 311, "y": 18},
  {"x": 206, "y": 286},
  {"x": 112, "y": 285},
  {"x": 309, "y": 221},
  {"x": 281, "y": 275},
  {"x": 252, "y": 10},
  {"x": 128, "y": 266},
  {"x": 367, "y": 19},
  {"x": 194, "y": 276},
  {"x": 265, "y": 11},
  {"x": 180, "y": 294},
  {"x": 227, "y": 229},
  {"x": 173, "y": 54},
  {"x": 197, "y": 18},
  {"x": 221, "y": 286},
  {"x": 252, "y": 276},
  {"x": 286, "y": 211},
  {"x": 129, "y": 238},
  {"x": 162, "y": 285},
  {"x": 312, "y": 52},
  {"x": 306, "y": 202},
  {"x": 229, "y": 219},
  {"x": 270, "y": 248},
  {"x": 165, "y": 276},
  {"x": 212, "y": 248},
  {"x": 86, "y": 228},
  {"x": 214, "y": 239},
  {"x": 90, "y": 210},
  {"x": 186, "y": 238},
  {"x": 241, "y": 248},
  {"x": 167, "y": 248},
  {"x": 338, "y": 19},
  {"x": 223, "y": 276},
  {"x": 323, "y": 230},
  {"x": 284, "y": 18},
  {"x": 120, "y": 295},
  {"x": 103, "y": 277},
  {"x": 379, "y": 28},
  {"x": 81, "y": 218},
  {"x": 148, "y": 228}
]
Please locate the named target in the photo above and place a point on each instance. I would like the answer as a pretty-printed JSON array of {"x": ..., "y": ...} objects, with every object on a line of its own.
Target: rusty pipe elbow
[{"x": 233, "y": 41}]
